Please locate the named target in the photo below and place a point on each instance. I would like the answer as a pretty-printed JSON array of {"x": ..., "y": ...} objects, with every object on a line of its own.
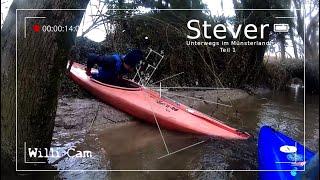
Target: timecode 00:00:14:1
[{"x": 59, "y": 28}]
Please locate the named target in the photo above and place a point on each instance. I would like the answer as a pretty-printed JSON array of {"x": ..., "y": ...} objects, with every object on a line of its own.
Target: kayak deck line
[
  {"x": 182, "y": 149},
  {"x": 163, "y": 140},
  {"x": 225, "y": 105},
  {"x": 170, "y": 114},
  {"x": 187, "y": 87},
  {"x": 197, "y": 113}
]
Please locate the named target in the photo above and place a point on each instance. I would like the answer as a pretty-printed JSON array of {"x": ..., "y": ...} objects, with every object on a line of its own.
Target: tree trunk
[
  {"x": 159, "y": 4},
  {"x": 245, "y": 66},
  {"x": 41, "y": 60},
  {"x": 310, "y": 34},
  {"x": 294, "y": 44},
  {"x": 300, "y": 29},
  {"x": 282, "y": 41}
]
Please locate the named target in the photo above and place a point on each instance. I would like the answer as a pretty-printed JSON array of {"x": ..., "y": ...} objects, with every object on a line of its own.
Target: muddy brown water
[{"x": 134, "y": 145}]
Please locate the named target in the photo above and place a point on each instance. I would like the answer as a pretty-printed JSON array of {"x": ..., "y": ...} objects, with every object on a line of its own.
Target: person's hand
[{"x": 88, "y": 71}]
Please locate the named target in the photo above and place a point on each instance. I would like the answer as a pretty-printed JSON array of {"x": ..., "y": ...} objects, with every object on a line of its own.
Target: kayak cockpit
[{"x": 124, "y": 84}]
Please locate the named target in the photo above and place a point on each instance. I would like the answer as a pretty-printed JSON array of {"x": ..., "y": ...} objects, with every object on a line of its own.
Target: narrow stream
[{"x": 139, "y": 146}]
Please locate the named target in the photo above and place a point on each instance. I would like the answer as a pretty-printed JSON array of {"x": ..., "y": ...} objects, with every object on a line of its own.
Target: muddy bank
[
  {"x": 74, "y": 113},
  {"x": 79, "y": 114}
]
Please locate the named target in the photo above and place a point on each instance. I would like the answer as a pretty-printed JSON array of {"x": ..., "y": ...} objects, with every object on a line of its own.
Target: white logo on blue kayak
[{"x": 288, "y": 149}]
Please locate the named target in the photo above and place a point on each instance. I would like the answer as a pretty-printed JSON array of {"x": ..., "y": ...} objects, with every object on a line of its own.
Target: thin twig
[{"x": 95, "y": 117}]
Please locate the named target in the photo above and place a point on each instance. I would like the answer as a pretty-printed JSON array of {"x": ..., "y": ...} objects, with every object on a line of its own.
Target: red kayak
[{"x": 148, "y": 106}]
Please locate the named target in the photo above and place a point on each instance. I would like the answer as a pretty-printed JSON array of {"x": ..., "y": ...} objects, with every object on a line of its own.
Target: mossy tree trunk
[{"x": 41, "y": 60}]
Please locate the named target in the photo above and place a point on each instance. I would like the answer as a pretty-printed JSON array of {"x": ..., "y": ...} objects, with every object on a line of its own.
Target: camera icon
[{"x": 281, "y": 27}]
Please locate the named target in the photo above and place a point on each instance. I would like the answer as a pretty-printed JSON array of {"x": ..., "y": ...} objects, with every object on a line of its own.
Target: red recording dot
[{"x": 36, "y": 28}]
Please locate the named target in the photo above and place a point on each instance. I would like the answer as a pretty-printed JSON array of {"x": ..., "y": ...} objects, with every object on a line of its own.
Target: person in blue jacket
[{"x": 113, "y": 67}]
